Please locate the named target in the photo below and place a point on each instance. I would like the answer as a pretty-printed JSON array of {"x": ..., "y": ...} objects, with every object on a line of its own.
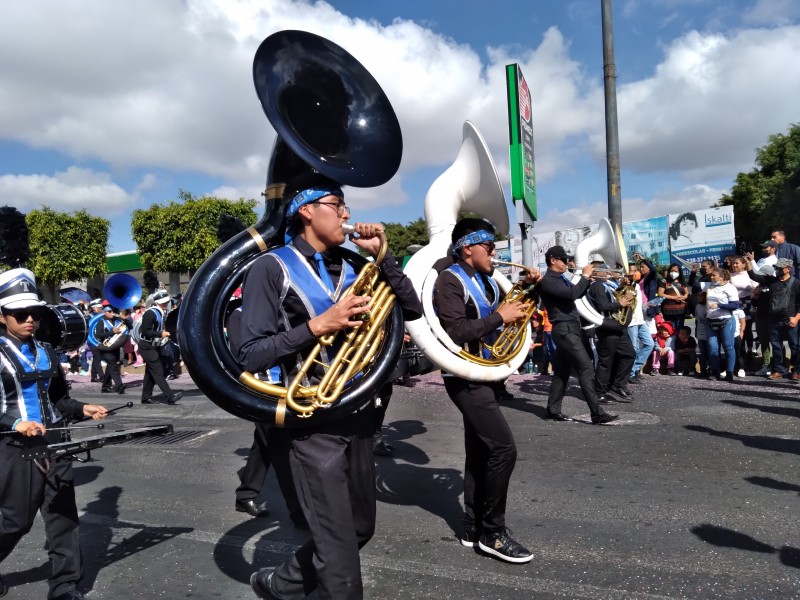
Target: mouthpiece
[{"x": 347, "y": 228}]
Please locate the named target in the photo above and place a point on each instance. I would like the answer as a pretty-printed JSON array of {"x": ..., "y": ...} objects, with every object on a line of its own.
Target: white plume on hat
[{"x": 18, "y": 290}]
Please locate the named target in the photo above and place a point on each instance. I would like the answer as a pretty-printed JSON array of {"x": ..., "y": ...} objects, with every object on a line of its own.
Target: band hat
[
  {"x": 96, "y": 302},
  {"x": 161, "y": 297},
  {"x": 555, "y": 252},
  {"x": 770, "y": 243},
  {"x": 18, "y": 290}
]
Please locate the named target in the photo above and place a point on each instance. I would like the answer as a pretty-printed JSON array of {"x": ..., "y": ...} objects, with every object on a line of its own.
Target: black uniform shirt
[
  {"x": 266, "y": 339},
  {"x": 461, "y": 321},
  {"x": 559, "y": 296}
]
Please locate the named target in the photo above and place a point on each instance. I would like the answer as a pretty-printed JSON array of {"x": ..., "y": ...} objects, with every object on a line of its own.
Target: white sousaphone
[
  {"x": 610, "y": 246},
  {"x": 470, "y": 184}
]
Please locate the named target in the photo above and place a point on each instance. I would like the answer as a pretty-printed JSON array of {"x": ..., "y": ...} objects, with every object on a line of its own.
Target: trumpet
[{"x": 497, "y": 263}]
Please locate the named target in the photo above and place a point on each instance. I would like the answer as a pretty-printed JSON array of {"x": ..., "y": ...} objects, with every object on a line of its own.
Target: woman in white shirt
[
  {"x": 745, "y": 286},
  {"x": 722, "y": 298}
]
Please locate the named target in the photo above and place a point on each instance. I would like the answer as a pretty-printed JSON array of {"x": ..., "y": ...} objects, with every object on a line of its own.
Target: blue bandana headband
[
  {"x": 306, "y": 197},
  {"x": 476, "y": 237}
]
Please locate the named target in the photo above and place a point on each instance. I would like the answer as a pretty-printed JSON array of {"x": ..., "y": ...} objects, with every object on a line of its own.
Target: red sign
[{"x": 524, "y": 101}]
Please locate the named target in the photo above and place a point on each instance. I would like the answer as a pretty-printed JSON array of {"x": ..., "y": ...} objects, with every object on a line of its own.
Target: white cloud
[
  {"x": 711, "y": 102},
  {"x": 69, "y": 190},
  {"x": 693, "y": 197},
  {"x": 168, "y": 85},
  {"x": 772, "y": 12}
]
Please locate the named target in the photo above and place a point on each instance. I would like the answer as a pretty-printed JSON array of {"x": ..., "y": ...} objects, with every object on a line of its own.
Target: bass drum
[{"x": 63, "y": 326}]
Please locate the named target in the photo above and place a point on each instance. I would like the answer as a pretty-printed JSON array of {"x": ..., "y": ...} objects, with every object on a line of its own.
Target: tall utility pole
[{"x": 612, "y": 137}]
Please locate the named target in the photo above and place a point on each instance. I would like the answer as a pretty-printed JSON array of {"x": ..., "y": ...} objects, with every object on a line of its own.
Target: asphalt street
[{"x": 693, "y": 494}]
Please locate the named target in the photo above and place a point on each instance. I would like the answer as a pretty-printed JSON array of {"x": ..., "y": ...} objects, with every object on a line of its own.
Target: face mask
[{"x": 674, "y": 275}]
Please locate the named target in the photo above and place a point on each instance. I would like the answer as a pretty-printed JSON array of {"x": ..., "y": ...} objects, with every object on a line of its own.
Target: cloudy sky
[{"x": 112, "y": 105}]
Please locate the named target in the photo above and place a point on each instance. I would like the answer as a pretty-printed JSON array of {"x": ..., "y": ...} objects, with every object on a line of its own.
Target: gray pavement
[{"x": 693, "y": 495}]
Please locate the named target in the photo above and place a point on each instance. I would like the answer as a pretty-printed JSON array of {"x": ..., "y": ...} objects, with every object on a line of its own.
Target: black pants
[
  {"x": 615, "y": 355},
  {"x": 571, "y": 353},
  {"x": 112, "y": 375},
  {"x": 490, "y": 454},
  {"x": 97, "y": 368},
  {"x": 380, "y": 411},
  {"x": 270, "y": 447},
  {"x": 24, "y": 491},
  {"x": 153, "y": 372},
  {"x": 334, "y": 475}
]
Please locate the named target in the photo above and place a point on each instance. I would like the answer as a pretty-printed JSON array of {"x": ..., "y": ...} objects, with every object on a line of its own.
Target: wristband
[
  {"x": 14, "y": 426},
  {"x": 308, "y": 326}
]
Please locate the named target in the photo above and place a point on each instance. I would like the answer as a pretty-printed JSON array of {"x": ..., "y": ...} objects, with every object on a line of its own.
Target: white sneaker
[{"x": 740, "y": 373}]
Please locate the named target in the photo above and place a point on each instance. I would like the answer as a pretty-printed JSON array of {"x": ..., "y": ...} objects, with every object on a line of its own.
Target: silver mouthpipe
[{"x": 347, "y": 228}]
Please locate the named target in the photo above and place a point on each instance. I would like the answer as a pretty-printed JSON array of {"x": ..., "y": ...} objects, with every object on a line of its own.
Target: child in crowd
[
  {"x": 535, "y": 353},
  {"x": 665, "y": 349},
  {"x": 685, "y": 352}
]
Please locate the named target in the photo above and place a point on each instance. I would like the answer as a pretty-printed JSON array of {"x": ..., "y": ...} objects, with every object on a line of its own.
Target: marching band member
[
  {"x": 466, "y": 300},
  {"x": 615, "y": 353},
  {"x": 291, "y": 297},
  {"x": 104, "y": 329},
  {"x": 152, "y": 329},
  {"x": 33, "y": 399},
  {"x": 95, "y": 308},
  {"x": 559, "y": 295}
]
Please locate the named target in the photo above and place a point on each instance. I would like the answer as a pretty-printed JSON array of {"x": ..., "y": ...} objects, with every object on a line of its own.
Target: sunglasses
[
  {"x": 488, "y": 246},
  {"x": 22, "y": 314}
]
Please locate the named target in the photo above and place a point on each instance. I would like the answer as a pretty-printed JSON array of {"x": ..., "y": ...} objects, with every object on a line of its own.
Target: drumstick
[
  {"x": 98, "y": 426},
  {"x": 126, "y": 405}
]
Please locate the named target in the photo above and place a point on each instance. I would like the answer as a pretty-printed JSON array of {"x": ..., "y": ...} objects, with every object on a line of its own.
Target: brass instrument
[
  {"x": 470, "y": 184},
  {"x": 333, "y": 123},
  {"x": 625, "y": 314},
  {"x": 357, "y": 351}
]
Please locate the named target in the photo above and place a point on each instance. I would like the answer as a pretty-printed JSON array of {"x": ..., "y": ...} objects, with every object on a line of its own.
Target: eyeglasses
[
  {"x": 22, "y": 314},
  {"x": 488, "y": 246},
  {"x": 340, "y": 207}
]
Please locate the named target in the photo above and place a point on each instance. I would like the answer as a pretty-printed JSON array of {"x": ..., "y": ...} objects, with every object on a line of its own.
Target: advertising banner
[
  {"x": 648, "y": 237},
  {"x": 520, "y": 130},
  {"x": 702, "y": 235}
]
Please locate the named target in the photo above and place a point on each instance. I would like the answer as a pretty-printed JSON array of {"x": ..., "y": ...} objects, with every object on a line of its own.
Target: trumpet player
[
  {"x": 558, "y": 295},
  {"x": 615, "y": 353},
  {"x": 291, "y": 297},
  {"x": 466, "y": 299}
]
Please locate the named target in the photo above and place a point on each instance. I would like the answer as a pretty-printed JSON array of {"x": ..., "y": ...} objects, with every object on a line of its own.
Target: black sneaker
[
  {"x": 3, "y": 587},
  {"x": 468, "y": 537},
  {"x": 504, "y": 547}
]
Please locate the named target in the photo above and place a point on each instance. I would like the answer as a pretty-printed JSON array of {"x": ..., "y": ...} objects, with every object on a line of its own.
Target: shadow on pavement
[
  {"x": 774, "y": 484},
  {"x": 774, "y": 410},
  {"x": 722, "y": 536},
  {"x": 761, "y": 442},
  {"x": 229, "y": 551},
  {"x": 400, "y": 479},
  {"x": 99, "y": 549}
]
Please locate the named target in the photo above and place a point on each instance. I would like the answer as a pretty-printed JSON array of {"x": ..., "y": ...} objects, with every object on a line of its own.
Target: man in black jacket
[
  {"x": 151, "y": 333},
  {"x": 559, "y": 295},
  {"x": 291, "y": 296},
  {"x": 35, "y": 400},
  {"x": 466, "y": 300},
  {"x": 784, "y": 315},
  {"x": 615, "y": 353}
]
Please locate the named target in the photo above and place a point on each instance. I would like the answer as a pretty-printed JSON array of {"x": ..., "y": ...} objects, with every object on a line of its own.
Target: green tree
[
  {"x": 768, "y": 197},
  {"x": 179, "y": 236},
  {"x": 66, "y": 247},
  {"x": 400, "y": 237}
]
